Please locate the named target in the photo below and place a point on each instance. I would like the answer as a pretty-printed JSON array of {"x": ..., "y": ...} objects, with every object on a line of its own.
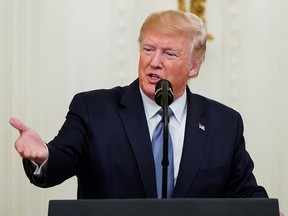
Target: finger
[
  {"x": 27, "y": 153},
  {"x": 17, "y": 124}
]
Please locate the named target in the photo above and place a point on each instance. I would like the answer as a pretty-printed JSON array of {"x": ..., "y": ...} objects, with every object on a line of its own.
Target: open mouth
[{"x": 154, "y": 76}]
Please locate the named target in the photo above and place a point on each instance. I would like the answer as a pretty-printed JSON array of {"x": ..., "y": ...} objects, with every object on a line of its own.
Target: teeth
[{"x": 154, "y": 76}]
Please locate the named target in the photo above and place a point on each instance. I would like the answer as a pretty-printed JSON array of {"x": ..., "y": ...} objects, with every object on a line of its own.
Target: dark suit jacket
[{"x": 105, "y": 142}]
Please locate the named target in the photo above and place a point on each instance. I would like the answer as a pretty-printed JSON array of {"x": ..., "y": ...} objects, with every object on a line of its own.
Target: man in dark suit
[{"x": 106, "y": 138}]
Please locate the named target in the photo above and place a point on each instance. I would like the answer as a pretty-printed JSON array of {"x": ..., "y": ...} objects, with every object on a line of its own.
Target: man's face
[{"x": 168, "y": 57}]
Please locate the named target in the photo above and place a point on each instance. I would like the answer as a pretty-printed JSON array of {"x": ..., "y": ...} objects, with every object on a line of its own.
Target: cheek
[
  {"x": 179, "y": 80},
  {"x": 147, "y": 88},
  {"x": 143, "y": 61},
  {"x": 179, "y": 73},
  {"x": 141, "y": 67}
]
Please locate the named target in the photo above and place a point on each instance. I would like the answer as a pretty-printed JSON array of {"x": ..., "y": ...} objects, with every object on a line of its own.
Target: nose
[{"x": 156, "y": 60}]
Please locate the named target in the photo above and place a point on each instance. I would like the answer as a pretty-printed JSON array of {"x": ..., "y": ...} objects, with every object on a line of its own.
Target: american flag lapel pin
[{"x": 201, "y": 127}]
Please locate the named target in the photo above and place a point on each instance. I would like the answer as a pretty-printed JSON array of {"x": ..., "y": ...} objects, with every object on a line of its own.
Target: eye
[
  {"x": 171, "y": 54},
  {"x": 147, "y": 49}
]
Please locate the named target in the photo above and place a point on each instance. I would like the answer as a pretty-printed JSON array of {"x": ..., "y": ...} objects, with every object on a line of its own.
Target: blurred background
[{"x": 53, "y": 49}]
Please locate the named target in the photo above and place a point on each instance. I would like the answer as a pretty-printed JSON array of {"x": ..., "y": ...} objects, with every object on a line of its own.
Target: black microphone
[
  {"x": 164, "y": 97},
  {"x": 161, "y": 87}
]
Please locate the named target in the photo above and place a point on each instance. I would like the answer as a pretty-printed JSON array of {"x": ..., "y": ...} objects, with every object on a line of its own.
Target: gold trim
[{"x": 198, "y": 8}]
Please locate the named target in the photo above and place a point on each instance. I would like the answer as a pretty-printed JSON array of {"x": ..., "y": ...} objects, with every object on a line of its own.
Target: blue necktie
[{"x": 157, "y": 145}]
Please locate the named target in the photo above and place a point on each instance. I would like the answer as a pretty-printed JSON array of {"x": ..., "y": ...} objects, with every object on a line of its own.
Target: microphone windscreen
[{"x": 163, "y": 85}]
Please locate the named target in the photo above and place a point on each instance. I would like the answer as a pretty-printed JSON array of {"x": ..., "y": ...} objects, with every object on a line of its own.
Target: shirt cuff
[{"x": 40, "y": 170}]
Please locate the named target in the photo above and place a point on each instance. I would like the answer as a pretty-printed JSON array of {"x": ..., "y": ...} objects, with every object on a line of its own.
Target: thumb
[{"x": 17, "y": 124}]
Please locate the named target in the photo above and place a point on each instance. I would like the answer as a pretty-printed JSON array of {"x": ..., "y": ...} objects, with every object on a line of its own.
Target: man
[{"x": 106, "y": 138}]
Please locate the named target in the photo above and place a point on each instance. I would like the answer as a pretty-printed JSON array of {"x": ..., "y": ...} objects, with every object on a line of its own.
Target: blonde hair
[{"x": 171, "y": 21}]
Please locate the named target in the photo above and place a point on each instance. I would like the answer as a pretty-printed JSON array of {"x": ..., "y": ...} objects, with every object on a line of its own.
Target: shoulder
[
  {"x": 103, "y": 93},
  {"x": 213, "y": 109},
  {"x": 103, "y": 98},
  {"x": 99, "y": 97},
  {"x": 111, "y": 94},
  {"x": 219, "y": 116},
  {"x": 211, "y": 104}
]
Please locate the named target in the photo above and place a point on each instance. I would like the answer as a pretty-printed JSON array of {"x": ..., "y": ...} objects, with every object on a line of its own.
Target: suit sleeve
[
  {"x": 66, "y": 149},
  {"x": 242, "y": 181}
]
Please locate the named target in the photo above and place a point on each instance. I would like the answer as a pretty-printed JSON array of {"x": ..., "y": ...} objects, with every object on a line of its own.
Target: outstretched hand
[{"x": 29, "y": 144}]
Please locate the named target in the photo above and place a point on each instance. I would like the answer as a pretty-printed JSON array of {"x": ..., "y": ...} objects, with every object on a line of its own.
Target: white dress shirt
[{"x": 176, "y": 124}]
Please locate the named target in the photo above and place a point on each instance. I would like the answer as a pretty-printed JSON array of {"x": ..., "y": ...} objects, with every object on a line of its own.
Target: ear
[{"x": 195, "y": 68}]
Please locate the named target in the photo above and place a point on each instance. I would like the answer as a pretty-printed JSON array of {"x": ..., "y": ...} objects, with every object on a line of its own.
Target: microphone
[
  {"x": 164, "y": 97},
  {"x": 163, "y": 87}
]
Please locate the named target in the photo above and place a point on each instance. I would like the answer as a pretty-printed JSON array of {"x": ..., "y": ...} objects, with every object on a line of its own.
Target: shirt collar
[{"x": 179, "y": 106}]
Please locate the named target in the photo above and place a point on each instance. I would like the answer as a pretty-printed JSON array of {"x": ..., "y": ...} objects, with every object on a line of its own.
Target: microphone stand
[{"x": 165, "y": 160}]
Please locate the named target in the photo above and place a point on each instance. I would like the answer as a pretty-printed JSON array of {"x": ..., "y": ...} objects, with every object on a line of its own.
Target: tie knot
[{"x": 170, "y": 112}]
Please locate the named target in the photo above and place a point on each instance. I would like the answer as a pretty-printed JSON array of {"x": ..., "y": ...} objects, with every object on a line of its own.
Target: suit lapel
[
  {"x": 194, "y": 144},
  {"x": 134, "y": 121}
]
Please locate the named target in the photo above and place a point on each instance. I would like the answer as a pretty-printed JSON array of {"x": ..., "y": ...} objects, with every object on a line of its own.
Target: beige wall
[{"x": 52, "y": 49}]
